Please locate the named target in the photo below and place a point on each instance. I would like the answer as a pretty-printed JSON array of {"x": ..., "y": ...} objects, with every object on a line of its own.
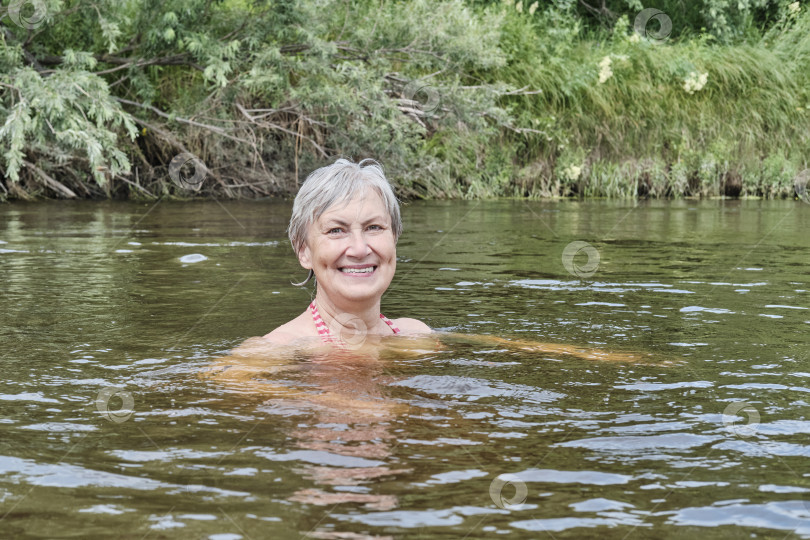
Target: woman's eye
[
  {"x": 375, "y": 227},
  {"x": 335, "y": 230}
]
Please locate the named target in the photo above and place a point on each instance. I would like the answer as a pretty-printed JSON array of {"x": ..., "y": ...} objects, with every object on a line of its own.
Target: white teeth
[{"x": 358, "y": 270}]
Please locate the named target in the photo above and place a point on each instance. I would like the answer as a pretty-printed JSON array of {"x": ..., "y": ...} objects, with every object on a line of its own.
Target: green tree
[{"x": 259, "y": 90}]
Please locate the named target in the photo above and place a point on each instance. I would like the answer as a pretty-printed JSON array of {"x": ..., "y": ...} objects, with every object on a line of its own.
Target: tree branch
[
  {"x": 255, "y": 120},
  {"x": 30, "y": 58},
  {"x": 216, "y": 129},
  {"x": 50, "y": 182},
  {"x": 137, "y": 186},
  {"x": 171, "y": 139}
]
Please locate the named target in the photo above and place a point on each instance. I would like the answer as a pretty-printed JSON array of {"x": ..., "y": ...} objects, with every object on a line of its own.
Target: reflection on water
[
  {"x": 670, "y": 397},
  {"x": 353, "y": 421}
]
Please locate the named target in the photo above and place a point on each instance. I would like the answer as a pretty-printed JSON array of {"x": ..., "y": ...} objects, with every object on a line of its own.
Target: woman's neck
[{"x": 354, "y": 317}]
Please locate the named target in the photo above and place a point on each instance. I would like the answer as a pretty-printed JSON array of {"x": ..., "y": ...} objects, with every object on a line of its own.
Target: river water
[{"x": 112, "y": 310}]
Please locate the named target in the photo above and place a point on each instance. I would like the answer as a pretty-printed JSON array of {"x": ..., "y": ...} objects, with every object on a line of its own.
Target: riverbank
[{"x": 456, "y": 101}]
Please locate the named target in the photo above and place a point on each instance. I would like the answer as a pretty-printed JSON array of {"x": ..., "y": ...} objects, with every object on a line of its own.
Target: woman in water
[
  {"x": 344, "y": 229},
  {"x": 332, "y": 367}
]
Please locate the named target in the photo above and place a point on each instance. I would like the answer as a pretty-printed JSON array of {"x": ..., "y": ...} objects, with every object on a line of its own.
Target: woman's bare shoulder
[
  {"x": 412, "y": 326},
  {"x": 260, "y": 346},
  {"x": 289, "y": 332},
  {"x": 280, "y": 336}
]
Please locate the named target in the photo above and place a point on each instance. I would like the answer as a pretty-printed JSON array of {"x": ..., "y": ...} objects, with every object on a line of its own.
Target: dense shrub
[{"x": 456, "y": 99}]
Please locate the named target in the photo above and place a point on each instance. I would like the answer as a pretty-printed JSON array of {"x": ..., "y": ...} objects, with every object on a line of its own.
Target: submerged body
[
  {"x": 344, "y": 229},
  {"x": 251, "y": 367}
]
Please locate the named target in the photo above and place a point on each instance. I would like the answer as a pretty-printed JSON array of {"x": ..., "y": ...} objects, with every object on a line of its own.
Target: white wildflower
[
  {"x": 635, "y": 38},
  {"x": 533, "y": 8},
  {"x": 519, "y": 6},
  {"x": 794, "y": 8},
  {"x": 695, "y": 81},
  {"x": 605, "y": 72},
  {"x": 572, "y": 172}
]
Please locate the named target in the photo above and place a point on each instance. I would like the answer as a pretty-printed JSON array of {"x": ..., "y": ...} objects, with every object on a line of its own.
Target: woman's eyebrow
[
  {"x": 376, "y": 218},
  {"x": 335, "y": 221},
  {"x": 338, "y": 221}
]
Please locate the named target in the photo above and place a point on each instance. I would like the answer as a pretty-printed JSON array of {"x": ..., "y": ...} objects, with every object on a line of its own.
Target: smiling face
[{"x": 352, "y": 250}]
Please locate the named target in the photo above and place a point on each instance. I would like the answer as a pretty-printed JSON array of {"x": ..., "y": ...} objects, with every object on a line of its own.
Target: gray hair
[{"x": 334, "y": 184}]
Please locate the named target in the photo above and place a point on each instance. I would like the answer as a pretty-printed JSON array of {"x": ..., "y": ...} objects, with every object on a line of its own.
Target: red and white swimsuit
[{"x": 327, "y": 336}]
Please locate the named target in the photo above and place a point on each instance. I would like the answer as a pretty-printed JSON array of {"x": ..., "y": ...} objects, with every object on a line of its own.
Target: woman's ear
[{"x": 305, "y": 257}]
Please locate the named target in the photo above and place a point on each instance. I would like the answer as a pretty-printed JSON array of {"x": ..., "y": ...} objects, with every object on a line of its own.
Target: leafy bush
[
  {"x": 260, "y": 91},
  {"x": 456, "y": 99}
]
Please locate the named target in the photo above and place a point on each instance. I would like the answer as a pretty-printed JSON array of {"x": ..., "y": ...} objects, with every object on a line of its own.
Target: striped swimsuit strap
[{"x": 327, "y": 336}]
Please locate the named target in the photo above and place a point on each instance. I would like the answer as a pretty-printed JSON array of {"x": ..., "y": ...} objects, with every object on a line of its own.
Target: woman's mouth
[{"x": 360, "y": 270}]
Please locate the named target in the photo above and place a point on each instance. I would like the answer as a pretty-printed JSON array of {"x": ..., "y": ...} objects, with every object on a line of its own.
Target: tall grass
[{"x": 745, "y": 132}]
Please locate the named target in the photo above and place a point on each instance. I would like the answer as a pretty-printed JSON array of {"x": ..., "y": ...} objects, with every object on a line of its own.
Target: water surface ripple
[{"x": 111, "y": 311}]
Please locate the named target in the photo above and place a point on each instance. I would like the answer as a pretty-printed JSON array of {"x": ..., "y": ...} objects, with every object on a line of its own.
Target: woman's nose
[{"x": 358, "y": 245}]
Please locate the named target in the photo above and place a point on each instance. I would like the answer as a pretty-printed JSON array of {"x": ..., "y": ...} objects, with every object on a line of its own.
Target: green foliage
[
  {"x": 69, "y": 111},
  {"x": 679, "y": 117},
  {"x": 456, "y": 99},
  {"x": 286, "y": 84},
  {"x": 724, "y": 20}
]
